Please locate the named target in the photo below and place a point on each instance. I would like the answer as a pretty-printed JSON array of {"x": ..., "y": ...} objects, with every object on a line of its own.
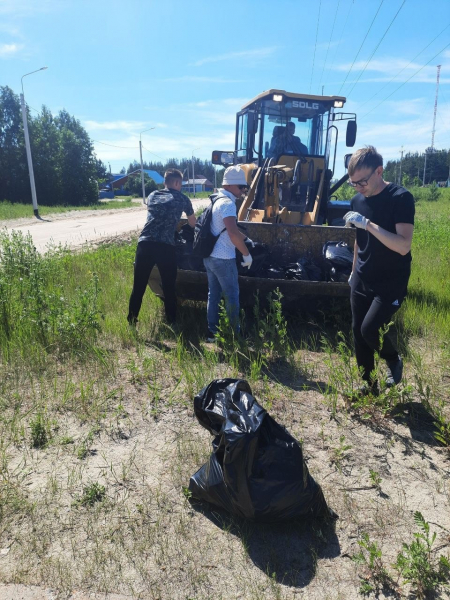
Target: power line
[
  {"x": 315, "y": 46},
  {"x": 376, "y": 48},
  {"x": 153, "y": 153},
  {"x": 113, "y": 146},
  {"x": 362, "y": 44},
  {"x": 331, "y": 37},
  {"x": 342, "y": 33},
  {"x": 401, "y": 70},
  {"x": 409, "y": 79}
]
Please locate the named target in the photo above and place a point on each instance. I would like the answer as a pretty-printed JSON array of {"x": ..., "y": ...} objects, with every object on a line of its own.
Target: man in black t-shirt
[
  {"x": 384, "y": 216},
  {"x": 156, "y": 244}
]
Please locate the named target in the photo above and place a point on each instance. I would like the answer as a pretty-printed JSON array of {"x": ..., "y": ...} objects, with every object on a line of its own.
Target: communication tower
[
  {"x": 431, "y": 148},
  {"x": 435, "y": 105}
]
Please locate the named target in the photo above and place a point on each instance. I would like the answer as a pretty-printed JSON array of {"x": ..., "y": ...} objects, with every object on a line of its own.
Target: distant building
[
  {"x": 201, "y": 185},
  {"x": 120, "y": 181}
]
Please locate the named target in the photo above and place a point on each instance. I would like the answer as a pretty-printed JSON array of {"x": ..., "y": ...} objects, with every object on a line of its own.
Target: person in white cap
[{"x": 221, "y": 267}]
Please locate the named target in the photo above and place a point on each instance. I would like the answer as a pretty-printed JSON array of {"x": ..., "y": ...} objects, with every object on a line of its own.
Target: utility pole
[
  {"x": 28, "y": 146},
  {"x": 142, "y": 173},
  {"x": 111, "y": 180},
  {"x": 424, "y": 167},
  {"x": 193, "y": 170},
  {"x": 142, "y": 164},
  {"x": 401, "y": 160}
]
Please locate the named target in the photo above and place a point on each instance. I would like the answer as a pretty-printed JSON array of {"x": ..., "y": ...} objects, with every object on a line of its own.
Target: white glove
[
  {"x": 350, "y": 278},
  {"x": 354, "y": 218},
  {"x": 247, "y": 261}
]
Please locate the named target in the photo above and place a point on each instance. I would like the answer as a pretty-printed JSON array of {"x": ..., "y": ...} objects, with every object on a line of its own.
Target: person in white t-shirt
[{"x": 221, "y": 267}]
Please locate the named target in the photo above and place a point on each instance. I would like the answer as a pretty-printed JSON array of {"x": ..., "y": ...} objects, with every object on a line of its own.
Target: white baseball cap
[{"x": 234, "y": 176}]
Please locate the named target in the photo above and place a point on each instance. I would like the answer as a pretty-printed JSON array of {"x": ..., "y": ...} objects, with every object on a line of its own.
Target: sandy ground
[
  {"x": 32, "y": 592},
  {"x": 76, "y": 228}
]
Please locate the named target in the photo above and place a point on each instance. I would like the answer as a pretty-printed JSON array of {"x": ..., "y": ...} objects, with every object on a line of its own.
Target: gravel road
[{"x": 76, "y": 228}]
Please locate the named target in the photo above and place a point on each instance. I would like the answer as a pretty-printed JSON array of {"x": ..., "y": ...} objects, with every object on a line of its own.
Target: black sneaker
[
  {"x": 210, "y": 338},
  {"x": 394, "y": 372}
]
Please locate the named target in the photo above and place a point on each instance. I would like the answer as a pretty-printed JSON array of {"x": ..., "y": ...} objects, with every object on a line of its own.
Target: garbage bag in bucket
[{"x": 256, "y": 469}]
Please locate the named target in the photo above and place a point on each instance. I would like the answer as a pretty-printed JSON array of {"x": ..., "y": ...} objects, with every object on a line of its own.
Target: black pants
[
  {"x": 372, "y": 311},
  {"x": 147, "y": 255}
]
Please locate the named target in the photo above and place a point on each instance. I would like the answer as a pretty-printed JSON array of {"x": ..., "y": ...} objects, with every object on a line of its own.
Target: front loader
[{"x": 286, "y": 143}]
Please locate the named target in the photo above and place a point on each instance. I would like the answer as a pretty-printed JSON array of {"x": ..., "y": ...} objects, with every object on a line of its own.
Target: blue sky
[{"x": 186, "y": 68}]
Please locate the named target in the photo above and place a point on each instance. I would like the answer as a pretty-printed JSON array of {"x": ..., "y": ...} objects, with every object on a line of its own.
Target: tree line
[
  {"x": 66, "y": 169},
  {"x": 412, "y": 168}
]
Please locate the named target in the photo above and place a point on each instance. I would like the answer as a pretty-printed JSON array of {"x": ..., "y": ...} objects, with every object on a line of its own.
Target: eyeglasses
[
  {"x": 243, "y": 187},
  {"x": 361, "y": 182}
]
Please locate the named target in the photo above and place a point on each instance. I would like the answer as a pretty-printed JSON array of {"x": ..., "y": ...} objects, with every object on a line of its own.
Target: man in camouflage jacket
[{"x": 156, "y": 244}]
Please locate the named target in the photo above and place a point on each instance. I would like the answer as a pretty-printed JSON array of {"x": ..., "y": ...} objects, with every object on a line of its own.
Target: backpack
[{"x": 204, "y": 240}]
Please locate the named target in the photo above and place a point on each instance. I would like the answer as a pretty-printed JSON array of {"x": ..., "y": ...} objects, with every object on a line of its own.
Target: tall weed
[{"x": 39, "y": 302}]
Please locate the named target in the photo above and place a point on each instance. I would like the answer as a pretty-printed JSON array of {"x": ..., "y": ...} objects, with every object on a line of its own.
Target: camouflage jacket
[{"x": 164, "y": 209}]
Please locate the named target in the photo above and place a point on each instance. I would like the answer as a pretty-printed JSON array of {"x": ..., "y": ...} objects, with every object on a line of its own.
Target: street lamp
[
  {"x": 27, "y": 144},
  {"x": 142, "y": 164},
  {"x": 193, "y": 170}
]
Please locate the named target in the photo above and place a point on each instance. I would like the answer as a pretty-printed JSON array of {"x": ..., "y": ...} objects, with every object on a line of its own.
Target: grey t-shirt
[{"x": 164, "y": 210}]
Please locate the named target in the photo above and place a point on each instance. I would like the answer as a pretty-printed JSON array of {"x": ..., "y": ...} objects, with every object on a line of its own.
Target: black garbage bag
[
  {"x": 305, "y": 269},
  {"x": 260, "y": 254},
  {"x": 339, "y": 260},
  {"x": 296, "y": 271},
  {"x": 187, "y": 232},
  {"x": 273, "y": 272},
  {"x": 339, "y": 275},
  {"x": 183, "y": 246},
  {"x": 256, "y": 469},
  {"x": 338, "y": 254}
]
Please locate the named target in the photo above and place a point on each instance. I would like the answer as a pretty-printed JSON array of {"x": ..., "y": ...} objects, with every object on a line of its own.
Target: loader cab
[
  {"x": 264, "y": 126},
  {"x": 286, "y": 144}
]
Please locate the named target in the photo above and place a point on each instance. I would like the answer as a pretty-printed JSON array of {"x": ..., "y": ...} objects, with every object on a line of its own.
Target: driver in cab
[{"x": 285, "y": 142}]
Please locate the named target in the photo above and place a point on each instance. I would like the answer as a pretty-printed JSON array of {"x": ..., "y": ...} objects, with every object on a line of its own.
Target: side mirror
[
  {"x": 347, "y": 158},
  {"x": 350, "y": 137},
  {"x": 252, "y": 123},
  {"x": 222, "y": 158}
]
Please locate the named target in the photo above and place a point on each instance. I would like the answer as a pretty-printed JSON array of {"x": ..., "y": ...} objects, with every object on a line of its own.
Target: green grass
[
  {"x": 98, "y": 439},
  {"x": 17, "y": 211},
  {"x": 427, "y": 308}
]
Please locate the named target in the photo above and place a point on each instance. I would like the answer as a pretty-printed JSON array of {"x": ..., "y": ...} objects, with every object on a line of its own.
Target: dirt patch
[{"x": 132, "y": 432}]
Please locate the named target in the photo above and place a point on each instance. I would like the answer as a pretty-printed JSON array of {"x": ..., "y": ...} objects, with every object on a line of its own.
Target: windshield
[{"x": 293, "y": 127}]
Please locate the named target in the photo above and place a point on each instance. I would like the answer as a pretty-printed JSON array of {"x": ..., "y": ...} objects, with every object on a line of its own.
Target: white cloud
[
  {"x": 125, "y": 150},
  {"x": 397, "y": 69},
  {"x": 10, "y": 30},
  {"x": 257, "y": 54},
  {"x": 119, "y": 125},
  {"x": 208, "y": 112},
  {"x": 200, "y": 79},
  {"x": 390, "y": 66},
  {"x": 233, "y": 102},
  {"x": 325, "y": 45},
  {"x": 27, "y": 8},
  {"x": 7, "y": 50}
]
